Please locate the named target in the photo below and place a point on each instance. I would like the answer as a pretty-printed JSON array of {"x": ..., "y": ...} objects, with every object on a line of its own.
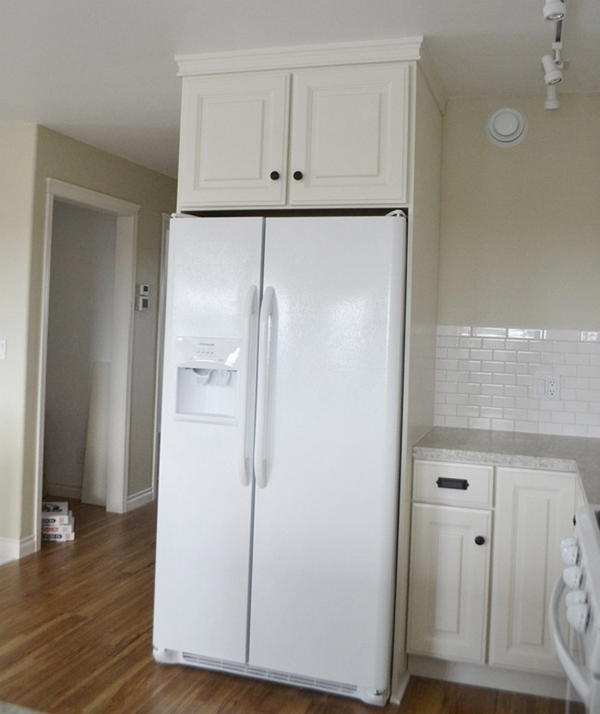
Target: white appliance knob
[
  {"x": 578, "y": 617},
  {"x": 576, "y": 597},
  {"x": 568, "y": 542},
  {"x": 570, "y": 554},
  {"x": 572, "y": 577}
]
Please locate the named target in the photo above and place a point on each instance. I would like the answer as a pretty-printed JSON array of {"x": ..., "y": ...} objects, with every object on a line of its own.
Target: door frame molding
[{"x": 126, "y": 214}]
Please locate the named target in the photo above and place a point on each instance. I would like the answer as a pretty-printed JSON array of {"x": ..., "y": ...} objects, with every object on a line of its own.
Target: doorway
[
  {"x": 87, "y": 335},
  {"x": 78, "y": 353}
]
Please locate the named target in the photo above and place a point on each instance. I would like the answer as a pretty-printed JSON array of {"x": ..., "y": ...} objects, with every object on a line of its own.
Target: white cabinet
[
  {"x": 348, "y": 138},
  {"x": 233, "y": 146},
  {"x": 534, "y": 511},
  {"x": 448, "y": 602},
  {"x": 349, "y": 135},
  {"x": 449, "y": 582}
]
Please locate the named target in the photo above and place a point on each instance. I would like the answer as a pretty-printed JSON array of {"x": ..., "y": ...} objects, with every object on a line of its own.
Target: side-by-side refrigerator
[{"x": 278, "y": 482}]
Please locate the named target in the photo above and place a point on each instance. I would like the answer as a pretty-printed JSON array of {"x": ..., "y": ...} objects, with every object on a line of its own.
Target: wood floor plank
[{"x": 75, "y": 638}]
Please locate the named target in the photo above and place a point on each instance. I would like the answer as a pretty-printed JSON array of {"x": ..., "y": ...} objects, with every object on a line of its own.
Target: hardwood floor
[{"x": 75, "y": 638}]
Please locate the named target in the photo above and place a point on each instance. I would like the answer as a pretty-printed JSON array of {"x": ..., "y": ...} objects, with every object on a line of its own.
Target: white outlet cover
[{"x": 547, "y": 387}]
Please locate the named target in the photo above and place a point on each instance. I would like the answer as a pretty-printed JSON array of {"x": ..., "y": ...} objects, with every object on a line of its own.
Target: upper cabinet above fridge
[{"x": 318, "y": 126}]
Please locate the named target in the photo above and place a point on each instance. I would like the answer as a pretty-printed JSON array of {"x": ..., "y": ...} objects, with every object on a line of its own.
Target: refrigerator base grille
[
  {"x": 374, "y": 696},
  {"x": 271, "y": 674}
]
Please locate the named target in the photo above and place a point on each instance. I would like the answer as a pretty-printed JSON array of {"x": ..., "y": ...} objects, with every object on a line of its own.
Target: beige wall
[
  {"x": 59, "y": 157},
  {"x": 17, "y": 170},
  {"x": 521, "y": 226}
]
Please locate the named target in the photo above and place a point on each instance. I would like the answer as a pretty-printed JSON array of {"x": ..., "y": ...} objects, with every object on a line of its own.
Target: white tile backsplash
[{"x": 486, "y": 379}]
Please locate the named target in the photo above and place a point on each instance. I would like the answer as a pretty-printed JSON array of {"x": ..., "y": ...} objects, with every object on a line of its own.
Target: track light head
[
  {"x": 552, "y": 72},
  {"x": 551, "y": 98},
  {"x": 554, "y": 10}
]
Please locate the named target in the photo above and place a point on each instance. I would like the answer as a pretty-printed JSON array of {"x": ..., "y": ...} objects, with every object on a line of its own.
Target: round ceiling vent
[{"x": 506, "y": 127}]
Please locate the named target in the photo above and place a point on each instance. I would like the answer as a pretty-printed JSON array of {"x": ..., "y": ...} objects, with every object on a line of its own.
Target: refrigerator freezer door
[
  {"x": 325, "y": 533},
  {"x": 205, "y": 494}
]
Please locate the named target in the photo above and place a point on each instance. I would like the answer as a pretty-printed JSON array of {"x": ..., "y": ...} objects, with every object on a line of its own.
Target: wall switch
[
  {"x": 547, "y": 387},
  {"x": 2, "y": 349}
]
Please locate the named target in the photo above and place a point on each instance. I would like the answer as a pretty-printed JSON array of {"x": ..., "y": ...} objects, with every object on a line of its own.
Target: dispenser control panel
[{"x": 224, "y": 352}]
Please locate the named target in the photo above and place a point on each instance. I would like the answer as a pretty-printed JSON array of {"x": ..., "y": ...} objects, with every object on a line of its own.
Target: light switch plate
[{"x": 2, "y": 349}]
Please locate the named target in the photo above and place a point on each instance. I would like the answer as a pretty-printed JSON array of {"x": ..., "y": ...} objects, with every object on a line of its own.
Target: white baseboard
[
  {"x": 27, "y": 546},
  {"x": 9, "y": 550},
  {"x": 141, "y": 498},
  {"x": 64, "y": 490},
  {"x": 482, "y": 675},
  {"x": 15, "y": 548}
]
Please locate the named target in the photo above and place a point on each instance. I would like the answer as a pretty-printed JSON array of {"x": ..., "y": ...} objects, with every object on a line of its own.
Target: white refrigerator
[{"x": 278, "y": 481}]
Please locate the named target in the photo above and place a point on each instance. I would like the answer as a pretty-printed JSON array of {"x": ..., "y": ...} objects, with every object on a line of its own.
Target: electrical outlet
[{"x": 547, "y": 387}]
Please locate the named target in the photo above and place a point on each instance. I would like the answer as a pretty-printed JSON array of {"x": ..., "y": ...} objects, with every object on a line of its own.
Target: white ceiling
[{"x": 102, "y": 70}]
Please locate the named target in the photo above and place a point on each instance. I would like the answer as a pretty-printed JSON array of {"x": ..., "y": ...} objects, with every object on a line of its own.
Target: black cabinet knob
[
  {"x": 274, "y": 175},
  {"x": 479, "y": 540},
  {"x": 298, "y": 175}
]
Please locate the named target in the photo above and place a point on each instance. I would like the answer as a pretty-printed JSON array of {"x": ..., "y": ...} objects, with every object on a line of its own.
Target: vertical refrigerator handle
[
  {"x": 264, "y": 367},
  {"x": 250, "y": 310}
]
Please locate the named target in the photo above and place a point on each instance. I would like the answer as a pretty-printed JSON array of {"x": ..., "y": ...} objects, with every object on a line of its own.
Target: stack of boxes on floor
[{"x": 58, "y": 523}]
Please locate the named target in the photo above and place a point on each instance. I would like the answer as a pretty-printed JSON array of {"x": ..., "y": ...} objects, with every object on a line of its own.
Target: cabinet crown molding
[{"x": 340, "y": 53}]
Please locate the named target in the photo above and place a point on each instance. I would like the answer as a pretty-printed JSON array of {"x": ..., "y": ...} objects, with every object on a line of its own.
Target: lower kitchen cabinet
[
  {"x": 452, "y": 579},
  {"x": 534, "y": 511},
  {"x": 449, "y": 582}
]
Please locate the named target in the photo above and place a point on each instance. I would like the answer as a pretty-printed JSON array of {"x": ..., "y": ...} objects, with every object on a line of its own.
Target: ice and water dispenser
[{"x": 208, "y": 377}]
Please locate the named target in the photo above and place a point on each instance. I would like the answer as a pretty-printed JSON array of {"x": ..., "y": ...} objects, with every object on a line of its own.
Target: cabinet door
[
  {"x": 449, "y": 575},
  {"x": 350, "y": 135},
  {"x": 233, "y": 136},
  {"x": 534, "y": 510}
]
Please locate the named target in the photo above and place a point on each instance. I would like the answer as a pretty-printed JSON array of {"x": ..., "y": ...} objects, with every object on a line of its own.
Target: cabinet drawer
[{"x": 453, "y": 484}]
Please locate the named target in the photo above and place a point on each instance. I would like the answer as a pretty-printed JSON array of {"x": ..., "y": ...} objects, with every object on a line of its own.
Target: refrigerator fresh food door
[
  {"x": 205, "y": 476},
  {"x": 326, "y": 453}
]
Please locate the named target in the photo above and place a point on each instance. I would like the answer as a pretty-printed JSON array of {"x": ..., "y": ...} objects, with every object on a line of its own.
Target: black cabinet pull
[
  {"x": 274, "y": 175},
  {"x": 298, "y": 175},
  {"x": 479, "y": 540},
  {"x": 459, "y": 483}
]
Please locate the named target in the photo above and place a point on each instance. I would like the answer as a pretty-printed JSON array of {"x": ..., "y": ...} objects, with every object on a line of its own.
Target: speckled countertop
[{"x": 506, "y": 448}]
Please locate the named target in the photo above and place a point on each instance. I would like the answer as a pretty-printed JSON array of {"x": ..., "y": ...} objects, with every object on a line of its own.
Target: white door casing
[{"x": 121, "y": 339}]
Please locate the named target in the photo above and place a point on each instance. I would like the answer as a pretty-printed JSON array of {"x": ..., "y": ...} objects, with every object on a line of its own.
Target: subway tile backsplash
[{"x": 501, "y": 378}]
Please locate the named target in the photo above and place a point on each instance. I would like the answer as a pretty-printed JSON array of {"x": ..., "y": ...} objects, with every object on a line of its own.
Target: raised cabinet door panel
[
  {"x": 350, "y": 135},
  {"x": 534, "y": 511},
  {"x": 233, "y": 135},
  {"x": 449, "y": 579}
]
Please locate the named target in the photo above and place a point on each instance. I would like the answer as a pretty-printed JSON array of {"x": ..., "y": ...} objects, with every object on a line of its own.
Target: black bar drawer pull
[{"x": 459, "y": 483}]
